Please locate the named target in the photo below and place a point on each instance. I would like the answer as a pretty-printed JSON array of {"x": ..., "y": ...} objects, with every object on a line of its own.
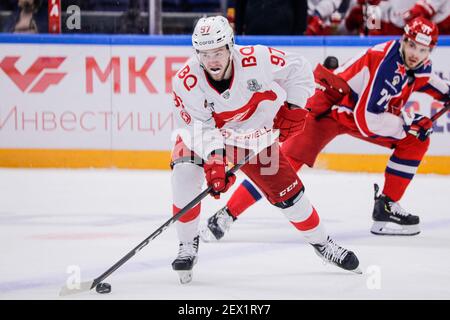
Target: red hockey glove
[
  {"x": 420, "y": 9},
  {"x": 315, "y": 26},
  {"x": 215, "y": 173},
  {"x": 291, "y": 122},
  {"x": 417, "y": 125}
]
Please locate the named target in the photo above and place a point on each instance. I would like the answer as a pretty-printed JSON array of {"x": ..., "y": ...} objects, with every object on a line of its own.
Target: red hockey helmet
[{"x": 422, "y": 31}]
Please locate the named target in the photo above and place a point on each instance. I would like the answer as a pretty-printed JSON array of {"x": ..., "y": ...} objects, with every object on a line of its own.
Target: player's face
[
  {"x": 215, "y": 61},
  {"x": 415, "y": 53}
]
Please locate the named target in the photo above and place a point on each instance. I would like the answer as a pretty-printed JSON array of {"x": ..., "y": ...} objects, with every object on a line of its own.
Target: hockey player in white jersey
[
  {"x": 325, "y": 16},
  {"x": 228, "y": 99}
]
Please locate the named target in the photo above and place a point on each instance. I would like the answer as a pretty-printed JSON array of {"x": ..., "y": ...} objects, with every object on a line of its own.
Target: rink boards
[{"x": 105, "y": 101}]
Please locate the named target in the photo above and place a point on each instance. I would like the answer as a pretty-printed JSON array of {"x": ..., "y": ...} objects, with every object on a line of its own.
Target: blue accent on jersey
[{"x": 388, "y": 82}]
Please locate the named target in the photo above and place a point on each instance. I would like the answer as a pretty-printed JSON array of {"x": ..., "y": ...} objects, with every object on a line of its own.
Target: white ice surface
[{"x": 53, "y": 220}]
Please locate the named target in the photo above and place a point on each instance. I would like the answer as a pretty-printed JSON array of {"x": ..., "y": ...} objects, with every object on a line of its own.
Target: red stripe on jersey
[
  {"x": 244, "y": 112},
  {"x": 353, "y": 69}
]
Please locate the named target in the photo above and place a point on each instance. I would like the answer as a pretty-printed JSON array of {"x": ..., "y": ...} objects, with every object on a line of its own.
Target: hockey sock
[
  {"x": 399, "y": 173},
  {"x": 187, "y": 225},
  {"x": 311, "y": 228},
  {"x": 317, "y": 235},
  {"x": 303, "y": 216},
  {"x": 402, "y": 166},
  {"x": 244, "y": 197},
  {"x": 395, "y": 186},
  {"x": 310, "y": 223},
  {"x": 188, "y": 216}
]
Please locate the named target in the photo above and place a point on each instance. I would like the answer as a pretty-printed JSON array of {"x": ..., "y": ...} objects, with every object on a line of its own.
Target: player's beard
[
  {"x": 413, "y": 64},
  {"x": 224, "y": 72},
  {"x": 416, "y": 65},
  {"x": 405, "y": 59}
]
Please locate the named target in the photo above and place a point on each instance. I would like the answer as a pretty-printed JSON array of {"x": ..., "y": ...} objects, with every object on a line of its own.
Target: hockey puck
[
  {"x": 103, "y": 287},
  {"x": 331, "y": 63}
]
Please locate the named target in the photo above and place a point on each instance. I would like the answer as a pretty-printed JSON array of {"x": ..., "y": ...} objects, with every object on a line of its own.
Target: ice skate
[
  {"x": 391, "y": 219},
  {"x": 217, "y": 225},
  {"x": 331, "y": 252},
  {"x": 186, "y": 259}
]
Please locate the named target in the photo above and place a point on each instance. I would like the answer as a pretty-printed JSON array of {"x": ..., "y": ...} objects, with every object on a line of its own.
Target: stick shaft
[
  {"x": 438, "y": 114},
  {"x": 169, "y": 222}
]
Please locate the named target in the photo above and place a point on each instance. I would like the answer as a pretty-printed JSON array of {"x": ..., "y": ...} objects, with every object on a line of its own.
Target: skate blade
[
  {"x": 185, "y": 276},
  {"x": 357, "y": 271},
  {"x": 392, "y": 229}
]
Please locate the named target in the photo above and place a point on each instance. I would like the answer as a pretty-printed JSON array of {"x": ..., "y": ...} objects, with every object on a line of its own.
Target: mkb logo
[{"x": 34, "y": 79}]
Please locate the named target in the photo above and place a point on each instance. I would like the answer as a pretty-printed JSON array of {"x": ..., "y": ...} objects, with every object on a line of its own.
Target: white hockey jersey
[
  {"x": 263, "y": 78},
  {"x": 324, "y": 7}
]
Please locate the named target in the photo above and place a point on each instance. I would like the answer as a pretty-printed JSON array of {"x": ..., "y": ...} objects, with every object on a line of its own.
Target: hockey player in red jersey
[
  {"x": 393, "y": 15},
  {"x": 227, "y": 100},
  {"x": 365, "y": 98}
]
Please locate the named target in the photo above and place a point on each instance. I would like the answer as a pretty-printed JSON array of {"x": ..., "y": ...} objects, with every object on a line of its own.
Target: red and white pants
[{"x": 270, "y": 171}]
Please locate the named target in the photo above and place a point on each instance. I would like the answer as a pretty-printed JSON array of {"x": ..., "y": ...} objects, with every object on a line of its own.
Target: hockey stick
[
  {"x": 89, "y": 285},
  {"x": 441, "y": 112}
]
